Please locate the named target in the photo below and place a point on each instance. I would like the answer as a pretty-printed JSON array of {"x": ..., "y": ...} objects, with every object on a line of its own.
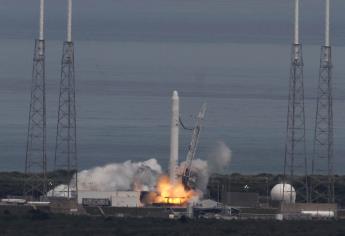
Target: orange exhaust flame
[{"x": 174, "y": 194}]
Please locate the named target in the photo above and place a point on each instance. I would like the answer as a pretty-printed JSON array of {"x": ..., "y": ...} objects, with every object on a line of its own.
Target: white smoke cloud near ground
[
  {"x": 219, "y": 159},
  {"x": 143, "y": 176},
  {"x": 140, "y": 176},
  {"x": 200, "y": 170},
  {"x": 124, "y": 176},
  {"x": 217, "y": 162}
]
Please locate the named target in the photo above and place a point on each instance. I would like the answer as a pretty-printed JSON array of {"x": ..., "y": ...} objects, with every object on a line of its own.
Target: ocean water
[{"x": 130, "y": 56}]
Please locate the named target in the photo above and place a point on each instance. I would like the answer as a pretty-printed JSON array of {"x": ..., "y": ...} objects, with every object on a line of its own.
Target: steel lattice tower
[
  {"x": 322, "y": 181},
  {"x": 295, "y": 163},
  {"x": 35, "y": 184},
  {"x": 66, "y": 137}
]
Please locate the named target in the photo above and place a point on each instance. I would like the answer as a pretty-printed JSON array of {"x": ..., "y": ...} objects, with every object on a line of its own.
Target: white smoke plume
[
  {"x": 124, "y": 176},
  {"x": 199, "y": 170},
  {"x": 219, "y": 159},
  {"x": 217, "y": 162},
  {"x": 143, "y": 176}
]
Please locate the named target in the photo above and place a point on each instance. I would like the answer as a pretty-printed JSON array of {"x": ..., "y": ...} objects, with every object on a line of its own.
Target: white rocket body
[{"x": 174, "y": 138}]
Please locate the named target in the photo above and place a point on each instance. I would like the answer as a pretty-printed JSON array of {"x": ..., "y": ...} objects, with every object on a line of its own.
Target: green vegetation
[
  {"x": 263, "y": 183},
  {"x": 12, "y": 183}
]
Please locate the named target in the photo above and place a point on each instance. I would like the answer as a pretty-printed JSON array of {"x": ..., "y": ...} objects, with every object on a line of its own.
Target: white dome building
[{"x": 288, "y": 196}]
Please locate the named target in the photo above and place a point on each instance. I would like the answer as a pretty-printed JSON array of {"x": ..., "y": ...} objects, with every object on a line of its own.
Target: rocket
[{"x": 174, "y": 138}]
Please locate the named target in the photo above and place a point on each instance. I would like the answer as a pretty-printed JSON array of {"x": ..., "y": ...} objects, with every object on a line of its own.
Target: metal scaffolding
[
  {"x": 66, "y": 136},
  {"x": 35, "y": 184},
  {"x": 295, "y": 162},
  {"x": 322, "y": 180},
  {"x": 36, "y": 161}
]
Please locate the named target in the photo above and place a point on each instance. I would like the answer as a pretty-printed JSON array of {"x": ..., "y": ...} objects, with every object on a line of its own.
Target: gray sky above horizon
[
  {"x": 130, "y": 55},
  {"x": 173, "y": 20}
]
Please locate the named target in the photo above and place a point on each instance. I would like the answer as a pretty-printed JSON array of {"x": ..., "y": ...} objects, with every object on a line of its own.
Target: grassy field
[{"x": 40, "y": 224}]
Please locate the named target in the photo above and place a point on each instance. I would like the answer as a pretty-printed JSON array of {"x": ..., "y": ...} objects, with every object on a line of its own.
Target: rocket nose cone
[{"x": 175, "y": 94}]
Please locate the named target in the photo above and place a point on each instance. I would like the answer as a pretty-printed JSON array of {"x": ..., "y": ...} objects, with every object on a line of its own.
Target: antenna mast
[
  {"x": 295, "y": 163},
  {"x": 66, "y": 136},
  {"x": 35, "y": 185},
  {"x": 322, "y": 181}
]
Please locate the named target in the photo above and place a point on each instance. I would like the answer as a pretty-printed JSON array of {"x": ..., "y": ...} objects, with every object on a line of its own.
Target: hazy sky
[
  {"x": 173, "y": 20},
  {"x": 130, "y": 55}
]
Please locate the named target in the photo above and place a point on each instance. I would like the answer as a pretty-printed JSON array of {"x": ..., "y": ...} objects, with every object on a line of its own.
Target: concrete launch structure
[
  {"x": 174, "y": 138},
  {"x": 114, "y": 198}
]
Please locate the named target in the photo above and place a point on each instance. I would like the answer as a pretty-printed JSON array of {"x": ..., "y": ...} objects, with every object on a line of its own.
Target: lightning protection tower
[
  {"x": 35, "y": 185},
  {"x": 322, "y": 181},
  {"x": 295, "y": 163},
  {"x": 66, "y": 136}
]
